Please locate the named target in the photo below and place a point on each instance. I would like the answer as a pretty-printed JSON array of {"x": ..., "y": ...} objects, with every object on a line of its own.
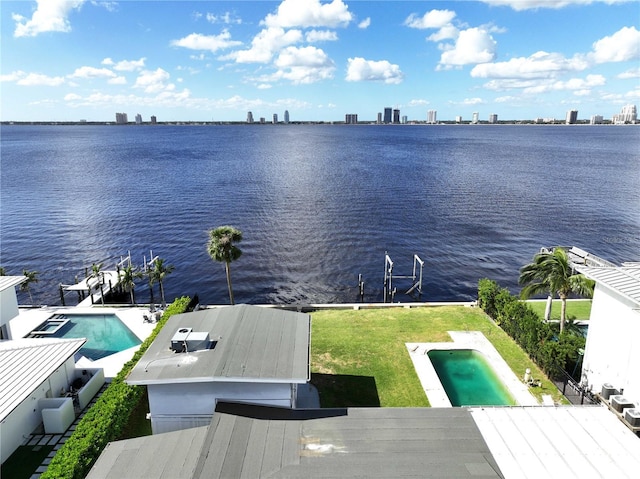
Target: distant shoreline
[{"x": 298, "y": 123}]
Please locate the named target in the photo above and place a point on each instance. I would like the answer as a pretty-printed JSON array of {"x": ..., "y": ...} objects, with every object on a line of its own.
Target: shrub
[
  {"x": 105, "y": 421},
  {"x": 551, "y": 352}
]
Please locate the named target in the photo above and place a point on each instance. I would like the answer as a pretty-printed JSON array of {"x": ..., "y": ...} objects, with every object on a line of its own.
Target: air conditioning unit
[
  {"x": 179, "y": 339},
  {"x": 197, "y": 341},
  {"x": 619, "y": 402},
  {"x": 632, "y": 416},
  {"x": 608, "y": 390}
]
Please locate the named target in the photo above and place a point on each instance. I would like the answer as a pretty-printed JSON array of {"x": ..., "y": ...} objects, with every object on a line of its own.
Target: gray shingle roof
[{"x": 255, "y": 344}]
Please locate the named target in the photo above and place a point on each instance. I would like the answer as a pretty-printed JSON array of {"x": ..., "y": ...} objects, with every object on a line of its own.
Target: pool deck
[
  {"x": 132, "y": 317},
  {"x": 464, "y": 340}
]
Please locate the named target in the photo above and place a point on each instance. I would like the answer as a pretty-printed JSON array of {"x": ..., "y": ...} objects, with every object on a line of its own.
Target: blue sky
[{"x": 66, "y": 60}]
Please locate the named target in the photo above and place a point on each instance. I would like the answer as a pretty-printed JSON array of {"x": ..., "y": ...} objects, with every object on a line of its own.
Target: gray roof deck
[
  {"x": 331, "y": 443},
  {"x": 624, "y": 279},
  {"x": 254, "y": 344}
]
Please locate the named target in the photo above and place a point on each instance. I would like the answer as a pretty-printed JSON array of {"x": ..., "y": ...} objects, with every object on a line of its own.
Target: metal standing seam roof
[
  {"x": 7, "y": 282},
  {"x": 26, "y": 363},
  {"x": 623, "y": 279},
  {"x": 254, "y": 344}
]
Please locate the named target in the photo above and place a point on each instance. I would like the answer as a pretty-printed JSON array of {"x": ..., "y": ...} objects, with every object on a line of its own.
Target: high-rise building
[
  {"x": 351, "y": 118},
  {"x": 404, "y": 120},
  {"x": 249, "y": 117},
  {"x": 432, "y": 117},
  {"x": 396, "y": 116},
  {"x": 459, "y": 119},
  {"x": 379, "y": 118},
  {"x": 572, "y": 117},
  {"x": 286, "y": 117},
  {"x": 596, "y": 120},
  {"x": 154, "y": 120},
  {"x": 387, "y": 115},
  {"x": 121, "y": 118},
  {"x": 475, "y": 118},
  {"x": 629, "y": 114},
  {"x": 493, "y": 118},
  {"x": 275, "y": 118},
  {"x": 138, "y": 119}
]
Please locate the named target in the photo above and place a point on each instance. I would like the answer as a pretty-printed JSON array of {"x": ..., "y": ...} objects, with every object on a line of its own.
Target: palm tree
[
  {"x": 151, "y": 275},
  {"x": 31, "y": 277},
  {"x": 161, "y": 271},
  {"x": 2, "y": 271},
  {"x": 221, "y": 248},
  {"x": 96, "y": 272},
  {"x": 128, "y": 276},
  {"x": 551, "y": 272}
]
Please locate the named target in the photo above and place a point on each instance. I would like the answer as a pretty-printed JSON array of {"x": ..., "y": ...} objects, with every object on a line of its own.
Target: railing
[{"x": 572, "y": 390}]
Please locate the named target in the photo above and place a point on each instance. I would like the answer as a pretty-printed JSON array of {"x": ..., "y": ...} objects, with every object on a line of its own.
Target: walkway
[{"x": 57, "y": 440}]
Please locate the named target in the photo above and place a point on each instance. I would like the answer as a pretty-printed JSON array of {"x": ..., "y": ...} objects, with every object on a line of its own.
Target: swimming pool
[
  {"x": 468, "y": 379},
  {"x": 106, "y": 334}
]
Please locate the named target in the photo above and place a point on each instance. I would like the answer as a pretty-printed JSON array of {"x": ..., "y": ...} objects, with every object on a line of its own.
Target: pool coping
[{"x": 464, "y": 340}]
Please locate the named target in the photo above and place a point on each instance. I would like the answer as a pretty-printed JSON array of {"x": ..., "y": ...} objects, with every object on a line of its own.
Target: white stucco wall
[
  {"x": 180, "y": 406},
  {"x": 612, "y": 352},
  {"x": 24, "y": 419},
  {"x": 8, "y": 307}
]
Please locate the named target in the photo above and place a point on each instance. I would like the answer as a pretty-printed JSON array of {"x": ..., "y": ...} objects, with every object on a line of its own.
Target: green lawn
[
  {"x": 22, "y": 464},
  {"x": 359, "y": 358},
  {"x": 578, "y": 309}
]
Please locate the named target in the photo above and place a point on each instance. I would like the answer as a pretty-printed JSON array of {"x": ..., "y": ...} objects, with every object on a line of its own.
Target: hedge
[
  {"x": 540, "y": 340},
  {"x": 105, "y": 421}
]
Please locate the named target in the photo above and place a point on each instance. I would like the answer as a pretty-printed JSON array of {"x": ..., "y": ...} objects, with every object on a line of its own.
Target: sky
[{"x": 72, "y": 60}]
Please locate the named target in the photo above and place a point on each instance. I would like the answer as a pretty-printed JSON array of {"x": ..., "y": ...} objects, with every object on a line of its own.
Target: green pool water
[
  {"x": 105, "y": 333},
  {"x": 468, "y": 379}
]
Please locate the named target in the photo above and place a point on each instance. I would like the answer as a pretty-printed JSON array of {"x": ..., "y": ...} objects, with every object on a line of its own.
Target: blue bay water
[{"x": 318, "y": 204}]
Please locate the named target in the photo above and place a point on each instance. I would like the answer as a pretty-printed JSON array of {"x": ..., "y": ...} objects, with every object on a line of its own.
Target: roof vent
[{"x": 187, "y": 340}]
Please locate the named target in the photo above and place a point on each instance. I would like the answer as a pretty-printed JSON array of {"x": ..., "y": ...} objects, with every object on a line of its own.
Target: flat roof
[
  {"x": 246, "y": 441},
  {"x": 329, "y": 443},
  {"x": 254, "y": 344},
  {"x": 27, "y": 363},
  {"x": 624, "y": 279}
]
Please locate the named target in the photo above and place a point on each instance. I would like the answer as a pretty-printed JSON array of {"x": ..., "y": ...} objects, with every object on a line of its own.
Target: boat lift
[{"x": 416, "y": 277}]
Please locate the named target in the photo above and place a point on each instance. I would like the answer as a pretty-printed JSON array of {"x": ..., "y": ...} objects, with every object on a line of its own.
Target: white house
[
  {"x": 8, "y": 303},
  {"x": 33, "y": 372},
  {"x": 612, "y": 352},
  {"x": 240, "y": 353}
]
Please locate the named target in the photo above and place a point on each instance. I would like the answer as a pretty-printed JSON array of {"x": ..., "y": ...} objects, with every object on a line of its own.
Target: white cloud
[
  {"x": 117, "y": 81},
  {"x": 418, "y": 103},
  {"x": 474, "y": 45},
  {"x": 633, "y": 73},
  {"x": 473, "y": 101},
  {"x": 212, "y": 43},
  {"x": 265, "y": 45},
  {"x": 72, "y": 97},
  {"x": 13, "y": 76},
  {"x": 622, "y": 46},
  {"x": 92, "y": 72},
  {"x": 448, "y": 32},
  {"x": 359, "y": 69},
  {"x": 534, "y": 4},
  {"x": 129, "y": 65},
  {"x": 539, "y": 65},
  {"x": 581, "y": 85},
  {"x": 321, "y": 36},
  {"x": 36, "y": 79},
  {"x": 49, "y": 16},
  {"x": 227, "y": 18},
  {"x": 432, "y": 19},
  {"x": 154, "y": 81},
  {"x": 303, "y": 65},
  {"x": 365, "y": 23},
  {"x": 309, "y": 13}
]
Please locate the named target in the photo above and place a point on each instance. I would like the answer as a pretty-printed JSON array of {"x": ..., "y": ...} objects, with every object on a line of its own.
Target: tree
[
  {"x": 128, "y": 276},
  {"x": 222, "y": 248},
  {"x": 31, "y": 277},
  {"x": 551, "y": 272},
  {"x": 161, "y": 271},
  {"x": 151, "y": 275},
  {"x": 96, "y": 272}
]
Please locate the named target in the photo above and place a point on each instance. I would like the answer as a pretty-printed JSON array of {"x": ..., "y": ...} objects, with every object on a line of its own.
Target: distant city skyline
[{"x": 318, "y": 60}]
